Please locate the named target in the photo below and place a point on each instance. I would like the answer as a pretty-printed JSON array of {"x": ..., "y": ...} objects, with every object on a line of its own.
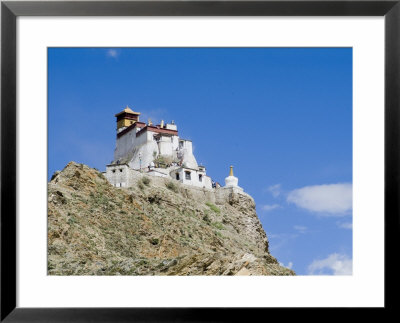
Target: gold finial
[
  {"x": 162, "y": 124},
  {"x": 231, "y": 172},
  {"x": 149, "y": 122}
]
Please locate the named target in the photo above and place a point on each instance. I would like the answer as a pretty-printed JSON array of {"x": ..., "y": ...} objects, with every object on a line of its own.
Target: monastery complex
[{"x": 157, "y": 150}]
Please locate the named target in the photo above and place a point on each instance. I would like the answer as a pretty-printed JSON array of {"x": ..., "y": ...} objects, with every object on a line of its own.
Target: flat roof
[{"x": 157, "y": 129}]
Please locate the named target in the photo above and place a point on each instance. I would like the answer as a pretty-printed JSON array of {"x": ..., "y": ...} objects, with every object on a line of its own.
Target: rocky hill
[{"x": 156, "y": 227}]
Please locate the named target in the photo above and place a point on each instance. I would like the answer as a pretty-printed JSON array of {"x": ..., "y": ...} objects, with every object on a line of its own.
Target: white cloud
[
  {"x": 155, "y": 115},
  {"x": 275, "y": 190},
  {"x": 112, "y": 53},
  {"x": 300, "y": 228},
  {"x": 345, "y": 225},
  {"x": 331, "y": 199},
  {"x": 336, "y": 264},
  {"x": 289, "y": 265},
  {"x": 267, "y": 207}
]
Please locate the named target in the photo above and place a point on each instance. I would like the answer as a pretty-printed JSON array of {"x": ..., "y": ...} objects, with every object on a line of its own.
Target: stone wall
[{"x": 123, "y": 176}]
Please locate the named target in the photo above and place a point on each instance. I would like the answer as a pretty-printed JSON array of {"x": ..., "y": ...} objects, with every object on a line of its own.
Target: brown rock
[{"x": 96, "y": 229}]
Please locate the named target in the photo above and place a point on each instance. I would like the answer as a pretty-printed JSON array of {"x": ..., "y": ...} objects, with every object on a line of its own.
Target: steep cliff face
[{"x": 156, "y": 227}]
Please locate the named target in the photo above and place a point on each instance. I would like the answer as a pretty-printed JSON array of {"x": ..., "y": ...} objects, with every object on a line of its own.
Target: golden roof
[{"x": 127, "y": 110}]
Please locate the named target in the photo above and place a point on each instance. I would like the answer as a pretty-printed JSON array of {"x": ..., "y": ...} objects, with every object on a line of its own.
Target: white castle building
[{"x": 158, "y": 151}]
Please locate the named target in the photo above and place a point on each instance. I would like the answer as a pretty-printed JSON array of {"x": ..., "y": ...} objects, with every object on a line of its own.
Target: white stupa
[{"x": 232, "y": 181}]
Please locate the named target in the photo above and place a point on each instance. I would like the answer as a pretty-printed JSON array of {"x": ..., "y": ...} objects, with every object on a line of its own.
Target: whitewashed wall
[
  {"x": 188, "y": 158},
  {"x": 146, "y": 151},
  {"x": 194, "y": 178},
  {"x": 124, "y": 144},
  {"x": 118, "y": 175},
  {"x": 165, "y": 146}
]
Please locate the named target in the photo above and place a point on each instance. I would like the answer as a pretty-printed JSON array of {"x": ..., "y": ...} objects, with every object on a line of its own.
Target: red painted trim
[
  {"x": 157, "y": 130},
  {"x": 126, "y": 130}
]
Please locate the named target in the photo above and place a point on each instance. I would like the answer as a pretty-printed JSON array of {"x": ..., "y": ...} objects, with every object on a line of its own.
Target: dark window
[
  {"x": 120, "y": 170},
  {"x": 113, "y": 170},
  {"x": 200, "y": 178},
  {"x": 187, "y": 175},
  {"x": 177, "y": 176}
]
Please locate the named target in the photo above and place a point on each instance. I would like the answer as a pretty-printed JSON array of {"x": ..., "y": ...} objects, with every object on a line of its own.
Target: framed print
[{"x": 182, "y": 160}]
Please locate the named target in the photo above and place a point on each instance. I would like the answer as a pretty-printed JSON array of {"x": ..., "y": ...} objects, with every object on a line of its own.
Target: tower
[{"x": 126, "y": 118}]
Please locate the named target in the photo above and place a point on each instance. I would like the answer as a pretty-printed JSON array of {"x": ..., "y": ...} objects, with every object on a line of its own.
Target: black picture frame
[{"x": 10, "y": 10}]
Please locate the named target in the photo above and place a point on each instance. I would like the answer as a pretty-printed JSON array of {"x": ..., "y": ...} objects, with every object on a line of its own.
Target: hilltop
[{"x": 157, "y": 226}]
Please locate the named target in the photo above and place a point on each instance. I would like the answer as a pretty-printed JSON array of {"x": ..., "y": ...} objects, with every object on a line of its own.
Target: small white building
[
  {"x": 192, "y": 176},
  {"x": 118, "y": 175}
]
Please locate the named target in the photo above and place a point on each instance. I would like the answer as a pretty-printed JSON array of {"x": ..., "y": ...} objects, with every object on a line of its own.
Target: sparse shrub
[
  {"x": 213, "y": 207},
  {"x": 143, "y": 262},
  {"x": 109, "y": 207},
  {"x": 154, "y": 199},
  {"x": 162, "y": 161},
  {"x": 154, "y": 241},
  {"x": 171, "y": 186},
  {"x": 141, "y": 186},
  {"x": 71, "y": 220},
  {"x": 146, "y": 181},
  {"x": 218, "y": 225},
  {"x": 207, "y": 219},
  {"x": 50, "y": 266}
]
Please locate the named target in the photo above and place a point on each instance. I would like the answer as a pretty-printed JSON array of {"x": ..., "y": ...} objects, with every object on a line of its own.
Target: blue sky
[{"x": 281, "y": 116}]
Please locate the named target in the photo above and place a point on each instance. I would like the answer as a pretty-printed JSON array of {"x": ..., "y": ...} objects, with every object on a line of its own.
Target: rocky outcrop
[{"x": 156, "y": 227}]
